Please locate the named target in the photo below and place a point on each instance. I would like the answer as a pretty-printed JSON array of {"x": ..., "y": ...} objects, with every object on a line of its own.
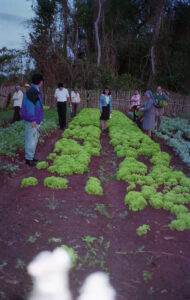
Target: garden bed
[{"x": 152, "y": 266}]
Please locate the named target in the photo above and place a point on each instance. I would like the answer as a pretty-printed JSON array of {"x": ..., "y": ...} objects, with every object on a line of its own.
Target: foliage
[
  {"x": 74, "y": 157},
  {"x": 141, "y": 230},
  {"x": 57, "y": 183},
  {"x": 176, "y": 133},
  {"x": 30, "y": 181},
  {"x": 100, "y": 207},
  {"x": 135, "y": 200},
  {"x": 13, "y": 135},
  {"x": 73, "y": 254},
  {"x": 146, "y": 276},
  {"x": 129, "y": 142},
  {"x": 42, "y": 165},
  {"x": 93, "y": 186}
]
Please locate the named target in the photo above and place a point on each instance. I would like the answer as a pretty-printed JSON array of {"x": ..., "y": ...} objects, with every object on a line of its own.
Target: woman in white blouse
[{"x": 75, "y": 100}]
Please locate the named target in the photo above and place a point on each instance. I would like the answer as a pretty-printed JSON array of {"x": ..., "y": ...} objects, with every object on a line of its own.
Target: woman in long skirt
[
  {"x": 149, "y": 110},
  {"x": 105, "y": 106}
]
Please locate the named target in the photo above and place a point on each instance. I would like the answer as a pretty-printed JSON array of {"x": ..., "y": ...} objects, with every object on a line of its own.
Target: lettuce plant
[
  {"x": 30, "y": 181},
  {"x": 93, "y": 186},
  {"x": 141, "y": 230},
  {"x": 57, "y": 183},
  {"x": 135, "y": 200},
  {"x": 42, "y": 165}
]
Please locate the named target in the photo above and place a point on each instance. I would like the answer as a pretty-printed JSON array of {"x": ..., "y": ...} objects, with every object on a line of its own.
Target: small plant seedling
[
  {"x": 123, "y": 214},
  {"x": 146, "y": 275},
  {"x": 102, "y": 210},
  {"x": 151, "y": 291},
  {"x": 88, "y": 239},
  {"x": 141, "y": 230},
  {"x": 4, "y": 264},
  {"x": 32, "y": 238},
  {"x": 54, "y": 240},
  {"x": 2, "y": 294},
  {"x": 52, "y": 202},
  {"x": 20, "y": 264}
]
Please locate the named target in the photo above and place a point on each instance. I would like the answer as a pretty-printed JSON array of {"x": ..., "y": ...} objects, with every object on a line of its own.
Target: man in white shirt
[
  {"x": 75, "y": 100},
  {"x": 61, "y": 96},
  {"x": 17, "y": 99}
]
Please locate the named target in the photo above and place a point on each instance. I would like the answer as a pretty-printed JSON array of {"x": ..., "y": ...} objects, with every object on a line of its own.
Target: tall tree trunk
[
  {"x": 156, "y": 32},
  {"x": 97, "y": 32}
]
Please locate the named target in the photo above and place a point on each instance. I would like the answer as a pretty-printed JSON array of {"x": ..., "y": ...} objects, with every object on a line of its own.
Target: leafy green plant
[
  {"x": 147, "y": 276},
  {"x": 54, "y": 240},
  {"x": 42, "y": 165},
  {"x": 93, "y": 186},
  {"x": 73, "y": 254},
  {"x": 141, "y": 230},
  {"x": 135, "y": 200},
  {"x": 30, "y": 181},
  {"x": 32, "y": 238},
  {"x": 56, "y": 182}
]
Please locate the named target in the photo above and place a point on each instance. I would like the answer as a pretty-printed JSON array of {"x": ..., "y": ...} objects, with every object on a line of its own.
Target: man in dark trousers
[
  {"x": 61, "y": 96},
  {"x": 32, "y": 114}
]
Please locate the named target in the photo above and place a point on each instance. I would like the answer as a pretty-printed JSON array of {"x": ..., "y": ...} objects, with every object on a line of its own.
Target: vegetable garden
[{"x": 116, "y": 201}]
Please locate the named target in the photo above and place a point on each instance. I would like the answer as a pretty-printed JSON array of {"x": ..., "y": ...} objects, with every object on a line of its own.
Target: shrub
[
  {"x": 55, "y": 182},
  {"x": 141, "y": 230},
  {"x": 30, "y": 181},
  {"x": 93, "y": 186},
  {"x": 42, "y": 165}
]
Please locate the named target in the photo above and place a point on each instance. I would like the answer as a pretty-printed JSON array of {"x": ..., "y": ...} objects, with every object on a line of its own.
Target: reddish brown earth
[{"x": 70, "y": 215}]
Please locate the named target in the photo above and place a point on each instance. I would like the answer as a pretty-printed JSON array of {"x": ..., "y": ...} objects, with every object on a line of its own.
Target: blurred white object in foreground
[
  {"x": 97, "y": 287},
  {"x": 50, "y": 271}
]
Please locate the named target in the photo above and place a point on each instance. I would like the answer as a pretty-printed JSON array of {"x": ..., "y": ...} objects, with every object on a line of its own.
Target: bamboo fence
[{"x": 178, "y": 104}]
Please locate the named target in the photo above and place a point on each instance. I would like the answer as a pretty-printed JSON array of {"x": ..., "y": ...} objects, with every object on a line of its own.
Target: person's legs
[
  {"x": 60, "y": 114},
  {"x": 64, "y": 113},
  {"x": 31, "y": 136},
  {"x": 75, "y": 109},
  {"x": 16, "y": 115},
  {"x": 150, "y": 133}
]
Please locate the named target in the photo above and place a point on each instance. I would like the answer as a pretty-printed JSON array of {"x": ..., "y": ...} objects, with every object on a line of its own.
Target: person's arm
[
  {"x": 147, "y": 105},
  {"x": 68, "y": 98},
  {"x": 110, "y": 103},
  {"x": 164, "y": 98}
]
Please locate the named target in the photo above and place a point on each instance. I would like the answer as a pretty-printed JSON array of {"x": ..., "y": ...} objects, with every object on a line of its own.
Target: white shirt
[
  {"x": 75, "y": 97},
  {"x": 107, "y": 99},
  {"x": 61, "y": 95},
  {"x": 17, "y": 98}
]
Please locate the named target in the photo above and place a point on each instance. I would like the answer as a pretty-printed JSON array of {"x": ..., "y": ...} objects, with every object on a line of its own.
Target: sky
[{"x": 13, "y": 14}]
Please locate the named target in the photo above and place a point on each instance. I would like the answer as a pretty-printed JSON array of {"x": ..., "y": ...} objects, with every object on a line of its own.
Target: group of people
[
  {"x": 151, "y": 110},
  {"x": 145, "y": 115},
  {"x": 31, "y": 107}
]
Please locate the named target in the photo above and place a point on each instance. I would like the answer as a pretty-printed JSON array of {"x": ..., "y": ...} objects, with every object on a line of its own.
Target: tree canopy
[{"x": 123, "y": 44}]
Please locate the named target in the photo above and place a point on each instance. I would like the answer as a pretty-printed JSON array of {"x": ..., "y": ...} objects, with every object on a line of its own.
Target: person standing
[
  {"x": 75, "y": 100},
  {"x": 17, "y": 98},
  {"x": 159, "y": 96},
  {"x": 61, "y": 96},
  {"x": 105, "y": 106},
  {"x": 135, "y": 101},
  {"x": 149, "y": 113},
  {"x": 32, "y": 114}
]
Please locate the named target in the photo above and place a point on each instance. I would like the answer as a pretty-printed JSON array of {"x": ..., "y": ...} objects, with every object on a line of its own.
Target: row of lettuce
[{"x": 161, "y": 186}]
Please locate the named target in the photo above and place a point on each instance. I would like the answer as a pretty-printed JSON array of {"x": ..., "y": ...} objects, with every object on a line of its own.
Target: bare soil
[{"x": 70, "y": 215}]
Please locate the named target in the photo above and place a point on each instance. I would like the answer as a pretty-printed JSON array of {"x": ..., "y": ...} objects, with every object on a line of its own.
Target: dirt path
[{"x": 30, "y": 218}]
